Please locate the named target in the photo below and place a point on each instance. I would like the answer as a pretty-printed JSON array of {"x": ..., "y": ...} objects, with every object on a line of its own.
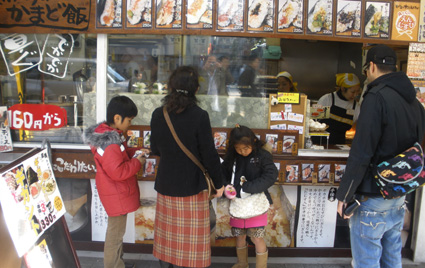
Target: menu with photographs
[
  {"x": 319, "y": 17},
  {"x": 30, "y": 199},
  {"x": 290, "y": 16},
  {"x": 377, "y": 19},
  {"x": 168, "y": 14},
  {"x": 415, "y": 61},
  {"x": 109, "y": 13},
  {"x": 260, "y": 15},
  {"x": 230, "y": 15},
  {"x": 348, "y": 18},
  {"x": 199, "y": 14},
  {"x": 138, "y": 14},
  {"x": 405, "y": 21}
]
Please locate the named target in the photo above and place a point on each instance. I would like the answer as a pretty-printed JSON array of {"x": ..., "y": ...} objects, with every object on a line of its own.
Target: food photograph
[
  {"x": 348, "y": 18},
  {"x": 230, "y": 15},
  {"x": 260, "y": 15},
  {"x": 290, "y": 15},
  {"x": 199, "y": 14},
  {"x": 377, "y": 19},
  {"x": 307, "y": 172},
  {"x": 168, "y": 14},
  {"x": 109, "y": 13},
  {"x": 139, "y": 13},
  {"x": 319, "y": 17}
]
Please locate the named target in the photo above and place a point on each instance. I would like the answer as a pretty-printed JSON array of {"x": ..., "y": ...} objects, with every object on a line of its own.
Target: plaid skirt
[{"x": 182, "y": 230}]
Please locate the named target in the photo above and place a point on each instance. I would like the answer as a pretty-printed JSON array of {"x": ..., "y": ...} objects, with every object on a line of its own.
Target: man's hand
[{"x": 340, "y": 209}]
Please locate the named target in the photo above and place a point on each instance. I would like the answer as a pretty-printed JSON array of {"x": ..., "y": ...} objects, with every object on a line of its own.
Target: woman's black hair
[
  {"x": 182, "y": 85},
  {"x": 242, "y": 135},
  {"x": 122, "y": 106}
]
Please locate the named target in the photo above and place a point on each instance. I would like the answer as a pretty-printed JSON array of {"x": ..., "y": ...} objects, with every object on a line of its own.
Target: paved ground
[{"x": 89, "y": 259}]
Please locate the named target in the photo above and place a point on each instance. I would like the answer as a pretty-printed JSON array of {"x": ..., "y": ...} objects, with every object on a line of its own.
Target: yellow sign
[{"x": 293, "y": 98}]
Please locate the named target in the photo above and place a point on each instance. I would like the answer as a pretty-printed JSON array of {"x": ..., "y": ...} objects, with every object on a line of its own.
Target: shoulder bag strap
[{"x": 184, "y": 149}]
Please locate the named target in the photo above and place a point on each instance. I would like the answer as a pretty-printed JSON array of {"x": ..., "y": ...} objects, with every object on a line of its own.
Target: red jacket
[{"x": 116, "y": 179}]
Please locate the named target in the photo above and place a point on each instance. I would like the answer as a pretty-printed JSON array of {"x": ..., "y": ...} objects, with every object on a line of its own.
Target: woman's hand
[{"x": 219, "y": 192}]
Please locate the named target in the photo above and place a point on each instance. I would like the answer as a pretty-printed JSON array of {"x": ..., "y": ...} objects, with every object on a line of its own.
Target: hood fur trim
[{"x": 100, "y": 137}]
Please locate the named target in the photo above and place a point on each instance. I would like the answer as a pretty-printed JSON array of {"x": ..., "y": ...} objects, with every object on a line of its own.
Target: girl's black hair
[
  {"x": 242, "y": 135},
  {"x": 182, "y": 84},
  {"x": 122, "y": 106}
]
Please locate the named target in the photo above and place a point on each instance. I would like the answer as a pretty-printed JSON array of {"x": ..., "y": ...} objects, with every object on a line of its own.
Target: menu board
[
  {"x": 377, "y": 20},
  {"x": 108, "y": 13},
  {"x": 319, "y": 17},
  {"x": 169, "y": 14},
  {"x": 230, "y": 15},
  {"x": 138, "y": 14},
  {"x": 290, "y": 16},
  {"x": 405, "y": 21},
  {"x": 30, "y": 199},
  {"x": 260, "y": 15},
  {"x": 348, "y": 18},
  {"x": 199, "y": 14},
  {"x": 415, "y": 61},
  {"x": 421, "y": 33}
]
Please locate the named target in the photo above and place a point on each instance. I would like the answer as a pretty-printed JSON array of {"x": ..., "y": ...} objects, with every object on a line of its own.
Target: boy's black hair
[
  {"x": 122, "y": 106},
  {"x": 242, "y": 135}
]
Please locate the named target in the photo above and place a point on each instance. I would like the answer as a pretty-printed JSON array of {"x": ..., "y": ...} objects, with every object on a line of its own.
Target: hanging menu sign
[
  {"x": 290, "y": 16},
  {"x": 405, "y": 21},
  {"x": 199, "y": 14},
  {"x": 230, "y": 15},
  {"x": 377, "y": 20},
  {"x": 421, "y": 33},
  {"x": 138, "y": 14},
  {"x": 30, "y": 200},
  {"x": 260, "y": 15},
  {"x": 319, "y": 17},
  {"x": 415, "y": 66},
  {"x": 109, "y": 13},
  {"x": 348, "y": 18},
  {"x": 169, "y": 14}
]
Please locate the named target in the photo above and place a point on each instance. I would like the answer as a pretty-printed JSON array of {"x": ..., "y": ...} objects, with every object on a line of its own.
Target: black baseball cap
[{"x": 381, "y": 54}]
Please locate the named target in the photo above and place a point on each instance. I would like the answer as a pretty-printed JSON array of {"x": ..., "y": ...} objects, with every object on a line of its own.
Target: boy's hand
[{"x": 141, "y": 158}]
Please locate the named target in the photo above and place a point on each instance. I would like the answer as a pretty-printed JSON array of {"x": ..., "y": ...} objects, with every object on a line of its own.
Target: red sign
[{"x": 36, "y": 116}]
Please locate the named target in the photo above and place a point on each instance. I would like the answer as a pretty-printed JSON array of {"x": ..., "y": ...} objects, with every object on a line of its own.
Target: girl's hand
[{"x": 219, "y": 192}]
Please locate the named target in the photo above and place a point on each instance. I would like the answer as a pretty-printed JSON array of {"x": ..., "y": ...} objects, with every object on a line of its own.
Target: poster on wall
[
  {"x": 290, "y": 16},
  {"x": 30, "y": 199},
  {"x": 317, "y": 217},
  {"x": 319, "y": 17},
  {"x": 230, "y": 15},
  {"x": 138, "y": 14},
  {"x": 260, "y": 15},
  {"x": 405, "y": 21},
  {"x": 377, "y": 20},
  {"x": 348, "y": 18},
  {"x": 99, "y": 219},
  {"x": 5, "y": 138},
  {"x": 109, "y": 13},
  {"x": 199, "y": 14},
  {"x": 168, "y": 14}
]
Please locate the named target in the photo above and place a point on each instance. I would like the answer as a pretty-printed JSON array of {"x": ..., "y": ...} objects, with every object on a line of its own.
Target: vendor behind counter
[{"x": 344, "y": 108}]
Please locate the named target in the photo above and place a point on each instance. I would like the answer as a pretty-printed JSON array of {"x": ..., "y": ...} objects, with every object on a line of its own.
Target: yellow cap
[
  {"x": 347, "y": 80},
  {"x": 289, "y": 76}
]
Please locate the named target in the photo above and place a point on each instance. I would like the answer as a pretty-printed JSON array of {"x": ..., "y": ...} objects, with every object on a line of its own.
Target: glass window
[{"x": 53, "y": 69}]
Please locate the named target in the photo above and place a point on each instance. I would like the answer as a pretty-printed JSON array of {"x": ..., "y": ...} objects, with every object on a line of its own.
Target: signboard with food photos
[{"x": 30, "y": 199}]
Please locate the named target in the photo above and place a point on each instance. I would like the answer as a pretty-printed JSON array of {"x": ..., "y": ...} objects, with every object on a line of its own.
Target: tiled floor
[{"x": 89, "y": 259}]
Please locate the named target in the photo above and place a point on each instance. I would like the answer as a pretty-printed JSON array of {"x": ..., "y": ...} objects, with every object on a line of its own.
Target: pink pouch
[{"x": 257, "y": 221}]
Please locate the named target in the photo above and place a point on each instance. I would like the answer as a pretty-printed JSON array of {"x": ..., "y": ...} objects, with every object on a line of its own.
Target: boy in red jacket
[{"x": 116, "y": 179}]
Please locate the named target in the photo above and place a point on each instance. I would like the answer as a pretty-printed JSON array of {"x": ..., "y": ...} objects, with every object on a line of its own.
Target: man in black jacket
[{"x": 391, "y": 120}]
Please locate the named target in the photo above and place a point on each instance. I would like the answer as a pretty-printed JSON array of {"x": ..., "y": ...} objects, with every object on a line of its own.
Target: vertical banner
[
  {"x": 30, "y": 200},
  {"x": 317, "y": 216}
]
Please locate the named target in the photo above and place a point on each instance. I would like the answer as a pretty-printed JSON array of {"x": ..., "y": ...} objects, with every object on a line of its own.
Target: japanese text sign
[
  {"x": 36, "y": 116},
  {"x": 293, "y": 98}
]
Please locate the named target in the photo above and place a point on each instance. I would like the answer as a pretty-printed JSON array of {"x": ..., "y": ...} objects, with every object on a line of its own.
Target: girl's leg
[
  {"x": 260, "y": 244},
  {"x": 241, "y": 241}
]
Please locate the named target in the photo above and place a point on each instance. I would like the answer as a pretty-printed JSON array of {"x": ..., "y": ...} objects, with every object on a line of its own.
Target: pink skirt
[{"x": 257, "y": 221}]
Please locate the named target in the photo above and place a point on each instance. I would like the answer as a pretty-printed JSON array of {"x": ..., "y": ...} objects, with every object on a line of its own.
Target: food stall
[{"x": 76, "y": 55}]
